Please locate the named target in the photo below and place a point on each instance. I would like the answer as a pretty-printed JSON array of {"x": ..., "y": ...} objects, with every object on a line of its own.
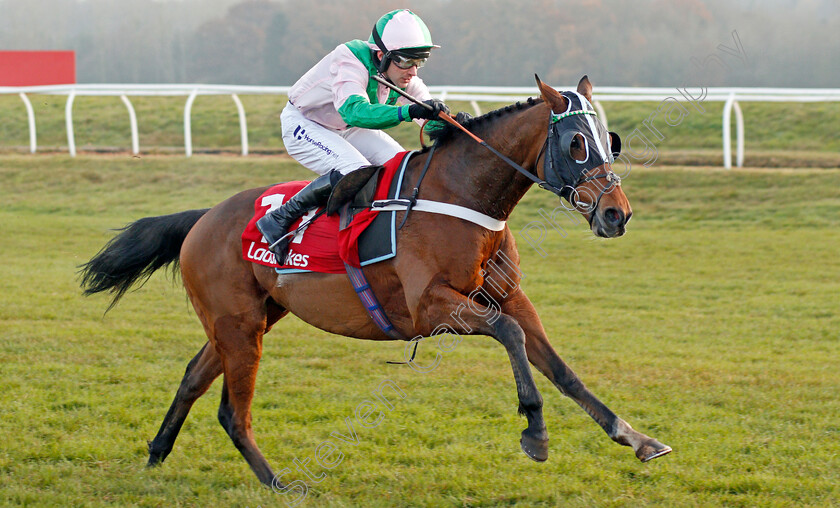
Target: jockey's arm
[
  {"x": 357, "y": 111},
  {"x": 352, "y": 97}
]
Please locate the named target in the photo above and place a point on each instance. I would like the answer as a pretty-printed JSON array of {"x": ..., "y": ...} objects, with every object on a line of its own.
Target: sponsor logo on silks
[
  {"x": 264, "y": 255},
  {"x": 300, "y": 134},
  {"x": 295, "y": 259},
  {"x": 260, "y": 254}
]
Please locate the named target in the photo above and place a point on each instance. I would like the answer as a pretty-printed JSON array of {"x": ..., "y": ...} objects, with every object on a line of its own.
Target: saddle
[{"x": 357, "y": 188}]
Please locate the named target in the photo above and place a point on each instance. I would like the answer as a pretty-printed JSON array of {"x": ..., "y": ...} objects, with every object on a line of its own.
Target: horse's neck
[{"x": 481, "y": 180}]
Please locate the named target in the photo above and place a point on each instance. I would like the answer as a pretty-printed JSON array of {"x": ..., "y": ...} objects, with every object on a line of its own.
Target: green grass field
[{"x": 712, "y": 326}]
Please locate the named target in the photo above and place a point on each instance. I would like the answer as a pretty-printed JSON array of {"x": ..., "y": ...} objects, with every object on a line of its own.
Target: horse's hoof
[
  {"x": 154, "y": 461},
  {"x": 275, "y": 485},
  {"x": 155, "y": 457},
  {"x": 536, "y": 449},
  {"x": 651, "y": 450}
]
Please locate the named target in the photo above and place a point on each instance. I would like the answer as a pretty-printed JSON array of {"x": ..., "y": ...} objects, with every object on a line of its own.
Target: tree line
[{"x": 484, "y": 42}]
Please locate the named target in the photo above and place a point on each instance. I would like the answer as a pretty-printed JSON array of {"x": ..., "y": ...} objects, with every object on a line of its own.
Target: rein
[
  {"x": 611, "y": 177},
  {"x": 446, "y": 117},
  {"x": 548, "y": 163}
]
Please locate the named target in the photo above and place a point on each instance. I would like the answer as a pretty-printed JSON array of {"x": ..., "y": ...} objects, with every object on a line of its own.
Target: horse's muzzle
[{"x": 610, "y": 223}]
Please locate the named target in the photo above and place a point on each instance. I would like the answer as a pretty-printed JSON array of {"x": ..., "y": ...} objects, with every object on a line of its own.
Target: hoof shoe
[
  {"x": 536, "y": 449},
  {"x": 651, "y": 450}
]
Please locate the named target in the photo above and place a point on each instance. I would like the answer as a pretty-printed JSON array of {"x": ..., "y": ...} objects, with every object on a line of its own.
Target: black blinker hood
[{"x": 561, "y": 170}]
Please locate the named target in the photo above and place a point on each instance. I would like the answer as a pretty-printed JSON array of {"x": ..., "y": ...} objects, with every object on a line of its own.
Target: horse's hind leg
[
  {"x": 547, "y": 361},
  {"x": 240, "y": 339},
  {"x": 201, "y": 371}
]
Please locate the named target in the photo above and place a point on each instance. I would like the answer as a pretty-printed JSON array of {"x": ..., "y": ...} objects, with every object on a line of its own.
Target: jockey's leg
[
  {"x": 329, "y": 154},
  {"x": 319, "y": 149},
  {"x": 323, "y": 151},
  {"x": 275, "y": 224},
  {"x": 376, "y": 146}
]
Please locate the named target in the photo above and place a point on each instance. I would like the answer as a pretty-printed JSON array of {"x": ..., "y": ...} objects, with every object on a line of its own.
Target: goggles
[{"x": 404, "y": 62}]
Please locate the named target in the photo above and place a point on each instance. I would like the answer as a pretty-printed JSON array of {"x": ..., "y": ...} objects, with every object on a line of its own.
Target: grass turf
[{"x": 712, "y": 325}]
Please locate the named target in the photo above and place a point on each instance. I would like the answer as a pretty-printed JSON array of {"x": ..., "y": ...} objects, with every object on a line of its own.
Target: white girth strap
[{"x": 424, "y": 205}]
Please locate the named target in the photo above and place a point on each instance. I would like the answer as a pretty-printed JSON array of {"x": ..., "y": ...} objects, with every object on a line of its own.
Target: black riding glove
[{"x": 416, "y": 111}]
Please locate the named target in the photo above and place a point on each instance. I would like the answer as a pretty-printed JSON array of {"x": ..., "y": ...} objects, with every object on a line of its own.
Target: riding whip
[{"x": 445, "y": 116}]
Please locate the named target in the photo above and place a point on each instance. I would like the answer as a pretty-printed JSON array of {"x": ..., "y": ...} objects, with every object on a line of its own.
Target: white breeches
[{"x": 322, "y": 150}]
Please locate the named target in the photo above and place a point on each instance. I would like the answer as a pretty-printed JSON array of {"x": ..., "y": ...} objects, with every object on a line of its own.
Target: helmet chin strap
[{"x": 386, "y": 54}]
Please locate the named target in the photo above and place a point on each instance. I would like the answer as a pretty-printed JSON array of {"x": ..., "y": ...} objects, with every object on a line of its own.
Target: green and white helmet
[{"x": 403, "y": 33}]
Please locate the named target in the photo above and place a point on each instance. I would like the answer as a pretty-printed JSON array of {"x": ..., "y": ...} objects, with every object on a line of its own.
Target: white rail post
[
  {"x": 739, "y": 135},
  {"x": 188, "y": 123},
  {"x": 30, "y": 114},
  {"x": 731, "y": 104},
  {"x": 243, "y": 124},
  {"x": 68, "y": 119},
  {"x": 132, "y": 118},
  {"x": 727, "y": 141}
]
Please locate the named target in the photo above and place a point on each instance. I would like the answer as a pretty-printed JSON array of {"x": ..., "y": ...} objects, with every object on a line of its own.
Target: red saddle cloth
[{"x": 320, "y": 247}]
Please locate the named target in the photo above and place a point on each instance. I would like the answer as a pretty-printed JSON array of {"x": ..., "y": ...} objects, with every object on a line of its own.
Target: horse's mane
[{"x": 445, "y": 133}]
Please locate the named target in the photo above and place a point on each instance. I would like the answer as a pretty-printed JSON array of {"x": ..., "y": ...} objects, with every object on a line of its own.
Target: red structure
[{"x": 32, "y": 68}]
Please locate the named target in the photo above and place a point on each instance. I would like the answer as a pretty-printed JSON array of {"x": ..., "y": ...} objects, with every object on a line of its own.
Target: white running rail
[{"x": 730, "y": 97}]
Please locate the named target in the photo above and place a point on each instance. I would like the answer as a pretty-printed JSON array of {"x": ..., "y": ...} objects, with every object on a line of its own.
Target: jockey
[{"x": 333, "y": 120}]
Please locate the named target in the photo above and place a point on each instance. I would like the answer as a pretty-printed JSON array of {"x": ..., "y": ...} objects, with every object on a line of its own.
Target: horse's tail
[{"x": 133, "y": 255}]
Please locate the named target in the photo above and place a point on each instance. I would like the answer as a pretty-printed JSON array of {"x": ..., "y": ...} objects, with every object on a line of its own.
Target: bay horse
[{"x": 441, "y": 260}]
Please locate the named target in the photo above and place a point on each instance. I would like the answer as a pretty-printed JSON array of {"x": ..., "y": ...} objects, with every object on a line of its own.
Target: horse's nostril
[{"x": 614, "y": 216}]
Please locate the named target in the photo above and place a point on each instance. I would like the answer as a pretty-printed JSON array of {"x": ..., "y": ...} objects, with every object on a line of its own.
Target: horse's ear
[
  {"x": 585, "y": 88},
  {"x": 552, "y": 97}
]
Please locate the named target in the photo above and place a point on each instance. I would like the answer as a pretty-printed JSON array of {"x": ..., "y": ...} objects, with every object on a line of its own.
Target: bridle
[
  {"x": 562, "y": 183},
  {"x": 565, "y": 183},
  {"x": 613, "y": 181},
  {"x": 570, "y": 192},
  {"x": 564, "y": 172}
]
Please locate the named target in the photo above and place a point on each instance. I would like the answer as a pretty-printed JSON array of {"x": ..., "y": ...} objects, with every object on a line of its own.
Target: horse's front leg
[
  {"x": 445, "y": 311},
  {"x": 544, "y": 358}
]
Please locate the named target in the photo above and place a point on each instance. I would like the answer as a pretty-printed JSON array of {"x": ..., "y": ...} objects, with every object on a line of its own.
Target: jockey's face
[{"x": 400, "y": 77}]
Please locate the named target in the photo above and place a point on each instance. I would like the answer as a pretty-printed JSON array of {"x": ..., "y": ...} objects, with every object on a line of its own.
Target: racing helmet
[{"x": 403, "y": 38}]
